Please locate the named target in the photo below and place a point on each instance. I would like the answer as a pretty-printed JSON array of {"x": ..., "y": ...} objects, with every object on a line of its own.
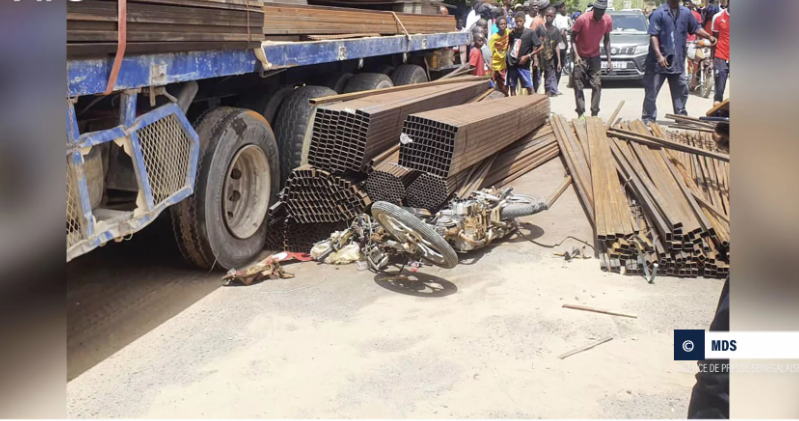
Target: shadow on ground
[{"x": 416, "y": 284}]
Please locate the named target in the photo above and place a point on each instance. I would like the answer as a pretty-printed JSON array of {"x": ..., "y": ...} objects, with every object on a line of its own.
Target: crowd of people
[{"x": 525, "y": 47}]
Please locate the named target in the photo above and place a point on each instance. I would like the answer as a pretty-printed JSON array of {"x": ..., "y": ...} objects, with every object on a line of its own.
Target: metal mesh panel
[
  {"x": 75, "y": 221},
  {"x": 166, "y": 150}
]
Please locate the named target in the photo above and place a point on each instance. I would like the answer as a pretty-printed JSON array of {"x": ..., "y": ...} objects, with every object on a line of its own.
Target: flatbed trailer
[{"x": 193, "y": 131}]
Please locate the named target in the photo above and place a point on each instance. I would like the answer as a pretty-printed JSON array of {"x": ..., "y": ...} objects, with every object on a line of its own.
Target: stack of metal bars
[
  {"x": 314, "y": 196},
  {"x": 347, "y": 135},
  {"x": 447, "y": 141},
  {"x": 388, "y": 182},
  {"x": 669, "y": 206},
  {"x": 429, "y": 191}
]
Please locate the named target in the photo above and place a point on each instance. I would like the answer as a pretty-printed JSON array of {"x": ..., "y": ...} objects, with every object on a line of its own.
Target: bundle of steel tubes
[
  {"x": 314, "y": 196},
  {"x": 347, "y": 135},
  {"x": 657, "y": 200},
  {"x": 447, "y": 144}
]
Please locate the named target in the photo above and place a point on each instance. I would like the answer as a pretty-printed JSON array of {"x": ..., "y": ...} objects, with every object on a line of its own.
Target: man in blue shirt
[{"x": 669, "y": 26}]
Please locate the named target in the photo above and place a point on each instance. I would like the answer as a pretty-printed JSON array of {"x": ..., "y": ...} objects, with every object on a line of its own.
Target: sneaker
[
  {"x": 581, "y": 117},
  {"x": 559, "y": 93}
]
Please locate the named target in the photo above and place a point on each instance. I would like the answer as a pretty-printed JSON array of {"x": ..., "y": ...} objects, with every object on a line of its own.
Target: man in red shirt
[
  {"x": 721, "y": 51},
  {"x": 476, "y": 55},
  {"x": 692, "y": 7},
  {"x": 589, "y": 29}
]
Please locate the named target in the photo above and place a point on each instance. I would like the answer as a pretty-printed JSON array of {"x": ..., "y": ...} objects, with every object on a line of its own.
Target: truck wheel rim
[{"x": 246, "y": 192}]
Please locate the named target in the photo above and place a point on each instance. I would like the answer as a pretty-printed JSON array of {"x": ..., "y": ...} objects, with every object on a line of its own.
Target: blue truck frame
[{"x": 90, "y": 76}]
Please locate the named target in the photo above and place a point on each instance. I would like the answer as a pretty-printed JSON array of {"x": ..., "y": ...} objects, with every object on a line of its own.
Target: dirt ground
[{"x": 149, "y": 337}]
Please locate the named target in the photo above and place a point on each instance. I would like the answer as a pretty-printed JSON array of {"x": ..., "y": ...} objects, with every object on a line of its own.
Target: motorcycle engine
[{"x": 464, "y": 224}]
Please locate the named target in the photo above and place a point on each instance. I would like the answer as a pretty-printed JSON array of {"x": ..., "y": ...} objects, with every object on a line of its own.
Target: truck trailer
[{"x": 210, "y": 136}]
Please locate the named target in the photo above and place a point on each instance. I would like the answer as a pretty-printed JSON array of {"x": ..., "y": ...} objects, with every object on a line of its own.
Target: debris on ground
[
  {"x": 585, "y": 348},
  {"x": 340, "y": 249},
  {"x": 598, "y": 310},
  {"x": 268, "y": 268}
]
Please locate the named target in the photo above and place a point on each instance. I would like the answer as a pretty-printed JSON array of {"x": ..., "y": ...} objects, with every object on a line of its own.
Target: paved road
[{"x": 149, "y": 336}]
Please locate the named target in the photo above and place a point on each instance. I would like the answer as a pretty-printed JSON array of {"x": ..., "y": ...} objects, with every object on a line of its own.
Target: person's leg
[
  {"x": 501, "y": 76},
  {"x": 512, "y": 79},
  {"x": 720, "y": 73},
  {"x": 652, "y": 83},
  {"x": 578, "y": 80},
  {"x": 595, "y": 79},
  {"x": 559, "y": 60},
  {"x": 525, "y": 80},
  {"x": 678, "y": 85},
  {"x": 551, "y": 75}
]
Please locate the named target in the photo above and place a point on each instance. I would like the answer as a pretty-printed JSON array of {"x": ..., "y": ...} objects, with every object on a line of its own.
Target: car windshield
[{"x": 628, "y": 23}]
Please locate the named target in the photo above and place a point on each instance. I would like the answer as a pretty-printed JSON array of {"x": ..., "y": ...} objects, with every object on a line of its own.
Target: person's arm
[
  {"x": 654, "y": 40},
  {"x": 703, "y": 34},
  {"x": 655, "y": 46},
  {"x": 573, "y": 41},
  {"x": 713, "y": 47},
  {"x": 606, "y": 41},
  {"x": 557, "y": 54}
]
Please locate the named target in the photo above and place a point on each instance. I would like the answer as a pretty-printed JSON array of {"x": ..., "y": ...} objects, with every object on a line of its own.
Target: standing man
[
  {"x": 550, "y": 36},
  {"x": 690, "y": 5},
  {"x": 708, "y": 13},
  {"x": 564, "y": 24},
  {"x": 669, "y": 27},
  {"x": 442, "y": 10},
  {"x": 721, "y": 52},
  {"x": 523, "y": 45},
  {"x": 538, "y": 20},
  {"x": 589, "y": 29},
  {"x": 532, "y": 12}
]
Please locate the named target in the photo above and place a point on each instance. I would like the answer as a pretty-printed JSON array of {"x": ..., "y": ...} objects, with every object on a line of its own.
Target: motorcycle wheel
[{"x": 408, "y": 229}]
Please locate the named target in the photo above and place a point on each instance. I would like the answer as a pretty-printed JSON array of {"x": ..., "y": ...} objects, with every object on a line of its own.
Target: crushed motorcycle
[{"x": 416, "y": 236}]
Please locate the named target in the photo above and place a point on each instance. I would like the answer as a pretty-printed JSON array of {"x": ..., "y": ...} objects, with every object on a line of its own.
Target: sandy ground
[{"x": 149, "y": 337}]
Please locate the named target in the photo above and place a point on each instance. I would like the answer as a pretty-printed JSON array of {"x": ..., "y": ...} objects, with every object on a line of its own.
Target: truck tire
[
  {"x": 223, "y": 224},
  {"x": 385, "y": 69},
  {"x": 268, "y": 103},
  {"x": 367, "y": 82},
  {"x": 292, "y": 125},
  {"x": 337, "y": 81},
  {"x": 408, "y": 74}
]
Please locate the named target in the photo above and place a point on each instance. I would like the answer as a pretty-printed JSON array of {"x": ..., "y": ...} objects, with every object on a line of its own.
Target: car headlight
[{"x": 640, "y": 49}]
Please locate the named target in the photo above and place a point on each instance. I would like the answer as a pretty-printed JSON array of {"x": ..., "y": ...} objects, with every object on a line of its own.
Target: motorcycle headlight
[{"x": 640, "y": 49}]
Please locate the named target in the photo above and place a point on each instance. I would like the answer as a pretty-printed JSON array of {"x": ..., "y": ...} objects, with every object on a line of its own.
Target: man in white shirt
[{"x": 472, "y": 17}]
